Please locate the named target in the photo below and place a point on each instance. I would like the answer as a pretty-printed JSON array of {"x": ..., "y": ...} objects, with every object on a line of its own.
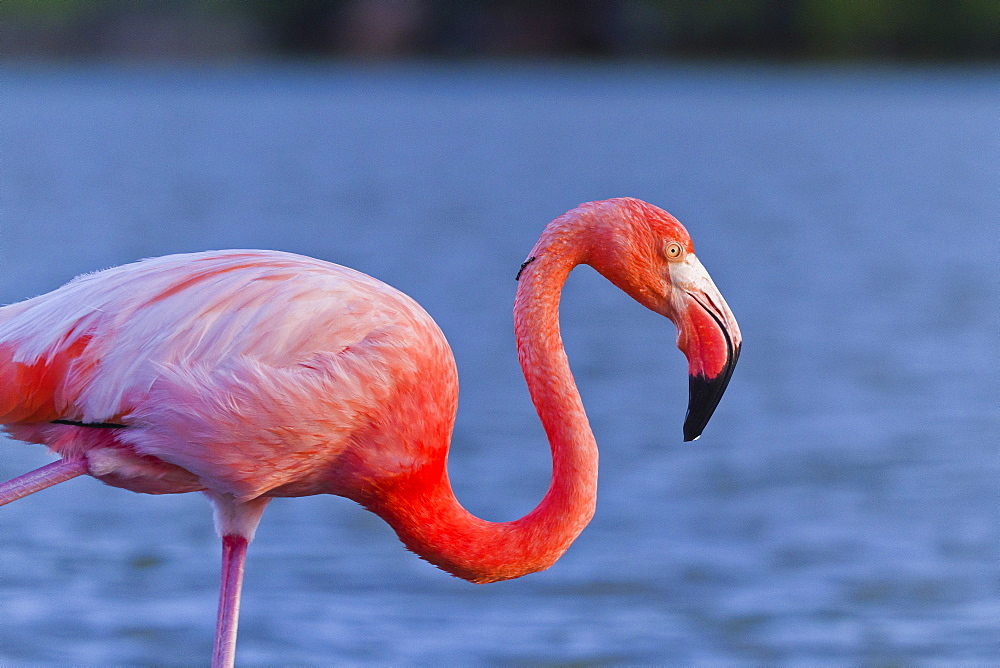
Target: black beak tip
[
  {"x": 692, "y": 432},
  {"x": 704, "y": 395}
]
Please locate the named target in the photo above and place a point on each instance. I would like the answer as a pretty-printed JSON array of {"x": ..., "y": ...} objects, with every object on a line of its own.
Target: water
[{"x": 842, "y": 504}]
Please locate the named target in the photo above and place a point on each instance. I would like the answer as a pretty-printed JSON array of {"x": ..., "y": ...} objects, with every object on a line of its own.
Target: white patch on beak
[{"x": 690, "y": 279}]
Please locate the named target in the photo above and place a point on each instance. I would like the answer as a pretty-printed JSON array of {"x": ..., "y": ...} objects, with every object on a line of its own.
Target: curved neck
[{"x": 421, "y": 506}]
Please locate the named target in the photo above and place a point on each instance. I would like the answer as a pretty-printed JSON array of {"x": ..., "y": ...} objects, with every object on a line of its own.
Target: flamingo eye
[{"x": 674, "y": 251}]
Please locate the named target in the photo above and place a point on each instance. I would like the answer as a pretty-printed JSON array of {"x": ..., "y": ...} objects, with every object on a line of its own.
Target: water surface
[{"x": 842, "y": 504}]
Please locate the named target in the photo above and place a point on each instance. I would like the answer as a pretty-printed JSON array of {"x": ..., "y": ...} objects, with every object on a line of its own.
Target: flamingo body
[{"x": 232, "y": 378}]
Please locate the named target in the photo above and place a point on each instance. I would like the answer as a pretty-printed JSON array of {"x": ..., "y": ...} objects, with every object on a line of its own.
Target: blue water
[{"x": 842, "y": 506}]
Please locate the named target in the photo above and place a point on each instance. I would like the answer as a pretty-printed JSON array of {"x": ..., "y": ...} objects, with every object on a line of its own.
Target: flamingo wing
[{"x": 251, "y": 370}]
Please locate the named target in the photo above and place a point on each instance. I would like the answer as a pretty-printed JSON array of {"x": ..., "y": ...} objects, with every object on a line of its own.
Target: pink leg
[
  {"x": 236, "y": 522},
  {"x": 39, "y": 479},
  {"x": 234, "y": 553}
]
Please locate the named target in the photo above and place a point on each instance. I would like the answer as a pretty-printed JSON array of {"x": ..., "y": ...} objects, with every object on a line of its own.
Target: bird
[{"x": 249, "y": 375}]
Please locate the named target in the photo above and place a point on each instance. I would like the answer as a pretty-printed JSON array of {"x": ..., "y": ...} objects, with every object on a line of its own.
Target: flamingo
[{"x": 249, "y": 375}]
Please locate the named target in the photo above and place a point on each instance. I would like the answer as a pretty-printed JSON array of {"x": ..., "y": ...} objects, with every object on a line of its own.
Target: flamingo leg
[
  {"x": 40, "y": 478},
  {"x": 234, "y": 553},
  {"x": 236, "y": 522}
]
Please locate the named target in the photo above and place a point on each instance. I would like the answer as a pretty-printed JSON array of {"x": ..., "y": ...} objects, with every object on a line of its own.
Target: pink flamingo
[{"x": 249, "y": 375}]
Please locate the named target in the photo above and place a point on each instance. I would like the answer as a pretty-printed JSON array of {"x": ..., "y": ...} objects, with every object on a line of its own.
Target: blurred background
[
  {"x": 783, "y": 29},
  {"x": 837, "y": 166}
]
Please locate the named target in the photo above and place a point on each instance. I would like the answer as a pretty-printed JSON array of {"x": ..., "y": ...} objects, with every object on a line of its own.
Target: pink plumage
[{"x": 221, "y": 366}]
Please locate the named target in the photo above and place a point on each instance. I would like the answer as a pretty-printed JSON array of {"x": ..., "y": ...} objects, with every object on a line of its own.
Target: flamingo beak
[{"x": 708, "y": 336}]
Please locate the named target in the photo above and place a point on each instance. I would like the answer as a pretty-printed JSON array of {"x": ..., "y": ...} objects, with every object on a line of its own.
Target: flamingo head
[{"x": 647, "y": 253}]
